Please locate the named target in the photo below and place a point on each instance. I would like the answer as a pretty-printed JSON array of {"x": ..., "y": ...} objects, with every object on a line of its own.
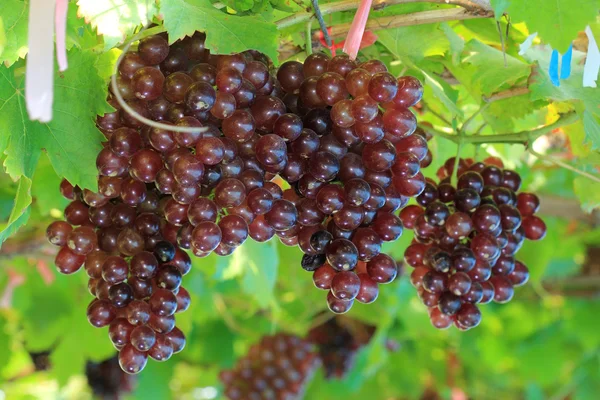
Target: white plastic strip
[
  {"x": 592, "y": 64},
  {"x": 39, "y": 82},
  {"x": 523, "y": 47},
  {"x": 60, "y": 21}
]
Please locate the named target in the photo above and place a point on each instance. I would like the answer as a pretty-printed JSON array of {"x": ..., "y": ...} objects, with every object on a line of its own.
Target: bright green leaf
[
  {"x": 398, "y": 41},
  {"x": 225, "y": 33},
  {"x": 115, "y": 19},
  {"x": 71, "y": 139},
  {"x": 557, "y": 22},
  {"x": 14, "y": 18},
  {"x": 20, "y": 211},
  {"x": 588, "y": 193}
]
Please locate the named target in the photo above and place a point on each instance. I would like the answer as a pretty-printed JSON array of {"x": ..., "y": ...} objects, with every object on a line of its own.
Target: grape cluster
[
  {"x": 107, "y": 380},
  {"x": 277, "y": 368},
  {"x": 338, "y": 344},
  {"x": 466, "y": 240},
  {"x": 355, "y": 162},
  {"x": 316, "y": 128},
  {"x": 134, "y": 274}
]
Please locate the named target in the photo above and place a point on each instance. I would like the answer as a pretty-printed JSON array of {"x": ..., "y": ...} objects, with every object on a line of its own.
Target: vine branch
[
  {"x": 514, "y": 92},
  {"x": 524, "y": 137},
  {"x": 564, "y": 165},
  {"x": 481, "y": 7}
]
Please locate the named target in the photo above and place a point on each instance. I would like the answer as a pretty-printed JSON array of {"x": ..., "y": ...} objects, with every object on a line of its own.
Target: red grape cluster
[
  {"x": 134, "y": 275},
  {"x": 338, "y": 342},
  {"x": 352, "y": 166},
  {"x": 277, "y": 368},
  {"x": 466, "y": 240},
  {"x": 317, "y": 126}
]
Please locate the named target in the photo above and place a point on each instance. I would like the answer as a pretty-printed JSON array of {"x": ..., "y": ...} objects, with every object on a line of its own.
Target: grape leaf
[
  {"x": 20, "y": 211},
  {"x": 225, "y": 33},
  {"x": 115, "y": 19},
  {"x": 2, "y": 36},
  {"x": 588, "y": 193},
  {"x": 44, "y": 188},
  {"x": 14, "y": 18},
  {"x": 71, "y": 139},
  {"x": 592, "y": 130},
  {"x": 487, "y": 70},
  {"x": 557, "y": 22}
]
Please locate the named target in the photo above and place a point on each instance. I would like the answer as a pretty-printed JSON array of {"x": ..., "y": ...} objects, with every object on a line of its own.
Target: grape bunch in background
[
  {"x": 466, "y": 240},
  {"x": 320, "y": 154},
  {"x": 339, "y": 339},
  {"x": 279, "y": 367}
]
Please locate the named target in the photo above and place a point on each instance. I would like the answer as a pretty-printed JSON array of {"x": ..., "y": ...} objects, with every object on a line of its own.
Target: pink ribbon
[{"x": 357, "y": 29}]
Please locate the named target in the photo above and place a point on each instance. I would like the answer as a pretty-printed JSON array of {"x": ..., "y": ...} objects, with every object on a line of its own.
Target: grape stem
[
  {"x": 466, "y": 124},
  {"x": 309, "y": 49},
  {"x": 481, "y": 7},
  {"x": 563, "y": 165},
  {"x": 525, "y": 137}
]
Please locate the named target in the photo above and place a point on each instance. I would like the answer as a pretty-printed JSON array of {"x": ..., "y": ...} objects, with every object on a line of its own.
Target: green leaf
[
  {"x": 20, "y": 211},
  {"x": 557, "y": 22},
  {"x": 5, "y": 341},
  {"x": 591, "y": 125},
  {"x": 71, "y": 139},
  {"x": 487, "y": 70},
  {"x": 14, "y": 18},
  {"x": 2, "y": 36},
  {"x": 45, "y": 188},
  {"x": 457, "y": 44},
  {"x": 256, "y": 264},
  {"x": 225, "y": 33},
  {"x": 398, "y": 41},
  {"x": 261, "y": 270},
  {"x": 500, "y": 7},
  {"x": 442, "y": 92},
  {"x": 240, "y": 5},
  {"x": 588, "y": 193},
  {"x": 115, "y": 19}
]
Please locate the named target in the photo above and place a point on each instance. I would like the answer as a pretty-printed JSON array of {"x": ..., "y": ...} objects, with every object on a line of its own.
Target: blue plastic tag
[
  {"x": 565, "y": 66},
  {"x": 553, "y": 69}
]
